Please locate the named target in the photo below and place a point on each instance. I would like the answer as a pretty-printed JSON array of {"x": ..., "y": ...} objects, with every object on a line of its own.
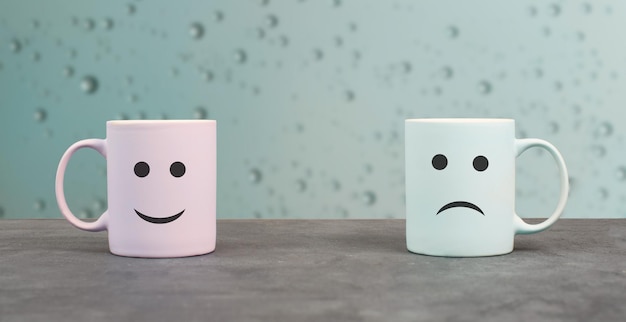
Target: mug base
[
  {"x": 161, "y": 254},
  {"x": 460, "y": 255}
]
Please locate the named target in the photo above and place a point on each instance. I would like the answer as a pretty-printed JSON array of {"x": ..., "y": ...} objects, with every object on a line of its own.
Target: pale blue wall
[{"x": 310, "y": 96}]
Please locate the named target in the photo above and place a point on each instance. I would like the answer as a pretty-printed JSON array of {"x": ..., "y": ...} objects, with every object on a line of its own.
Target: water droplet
[
  {"x": 36, "y": 56},
  {"x": 283, "y": 41},
  {"x": 122, "y": 116},
  {"x": 532, "y": 11},
  {"x": 255, "y": 175},
  {"x": 447, "y": 72},
  {"x": 587, "y": 8},
  {"x": 257, "y": 215},
  {"x": 338, "y": 41},
  {"x": 107, "y": 23},
  {"x": 452, "y": 32},
  {"x": 368, "y": 198},
  {"x": 336, "y": 3},
  {"x": 68, "y": 71},
  {"x": 99, "y": 205},
  {"x": 264, "y": 2},
  {"x": 353, "y": 27},
  {"x": 240, "y": 56},
  {"x": 131, "y": 9},
  {"x": 133, "y": 98},
  {"x": 218, "y": 16},
  {"x": 86, "y": 213},
  {"x": 342, "y": 212},
  {"x": 208, "y": 75},
  {"x": 598, "y": 150},
  {"x": 40, "y": 115},
  {"x": 554, "y": 9},
  {"x": 349, "y": 96},
  {"x": 406, "y": 67},
  {"x": 39, "y": 205},
  {"x": 196, "y": 30},
  {"x": 300, "y": 185},
  {"x": 484, "y": 87},
  {"x": 335, "y": 184},
  {"x": 15, "y": 46},
  {"x": 89, "y": 84},
  {"x": 36, "y": 24},
  {"x": 89, "y": 24},
  {"x": 318, "y": 54},
  {"x": 602, "y": 193},
  {"x": 200, "y": 113},
  {"x": 271, "y": 21},
  {"x": 621, "y": 173},
  {"x": 260, "y": 33},
  {"x": 604, "y": 129},
  {"x": 554, "y": 127},
  {"x": 72, "y": 53}
]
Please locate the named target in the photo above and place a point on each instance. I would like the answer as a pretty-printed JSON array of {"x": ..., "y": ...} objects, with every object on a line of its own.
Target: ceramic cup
[
  {"x": 460, "y": 186},
  {"x": 161, "y": 187}
]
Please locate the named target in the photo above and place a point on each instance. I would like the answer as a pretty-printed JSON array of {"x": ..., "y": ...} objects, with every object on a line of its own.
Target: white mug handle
[
  {"x": 522, "y": 145},
  {"x": 98, "y": 225}
]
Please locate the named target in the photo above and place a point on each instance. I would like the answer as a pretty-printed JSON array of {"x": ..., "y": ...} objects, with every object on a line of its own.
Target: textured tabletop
[{"x": 313, "y": 270}]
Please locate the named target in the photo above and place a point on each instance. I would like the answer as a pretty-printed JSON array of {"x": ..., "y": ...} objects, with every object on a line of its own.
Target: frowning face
[{"x": 480, "y": 164}]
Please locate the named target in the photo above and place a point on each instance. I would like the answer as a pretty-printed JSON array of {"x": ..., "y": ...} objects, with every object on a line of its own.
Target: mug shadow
[
  {"x": 385, "y": 242},
  {"x": 78, "y": 245},
  {"x": 527, "y": 246}
]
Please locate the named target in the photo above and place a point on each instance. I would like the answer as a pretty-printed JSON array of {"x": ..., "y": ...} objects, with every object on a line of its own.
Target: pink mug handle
[{"x": 101, "y": 223}]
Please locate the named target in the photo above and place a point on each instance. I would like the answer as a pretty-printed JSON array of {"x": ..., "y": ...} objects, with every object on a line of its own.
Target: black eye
[
  {"x": 480, "y": 163},
  {"x": 177, "y": 169},
  {"x": 142, "y": 169},
  {"x": 440, "y": 162}
]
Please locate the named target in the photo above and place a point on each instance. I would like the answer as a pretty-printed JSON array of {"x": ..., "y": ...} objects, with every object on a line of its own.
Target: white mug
[
  {"x": 460, "y": 186},
  {"x": 161, "y": 187}
]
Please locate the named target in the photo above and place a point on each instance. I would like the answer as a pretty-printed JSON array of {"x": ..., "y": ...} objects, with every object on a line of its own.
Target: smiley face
[
  {"x": 142, "y": 170},
  {"x": 480, "y": 164}
]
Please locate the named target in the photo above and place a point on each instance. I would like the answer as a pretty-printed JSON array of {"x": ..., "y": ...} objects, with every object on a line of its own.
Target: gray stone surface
[{"x": 313, "y": 270}]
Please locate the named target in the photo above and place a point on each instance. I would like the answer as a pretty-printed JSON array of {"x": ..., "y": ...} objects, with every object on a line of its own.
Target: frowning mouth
[
  {"x": 460, "y": 204},
  {"x": 158, "y": 220}
]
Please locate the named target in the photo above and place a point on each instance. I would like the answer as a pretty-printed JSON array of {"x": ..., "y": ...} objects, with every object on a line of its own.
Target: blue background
[{"x": 311, "y": 96}]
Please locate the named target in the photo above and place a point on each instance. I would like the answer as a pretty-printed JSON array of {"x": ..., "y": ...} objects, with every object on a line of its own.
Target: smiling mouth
[
  {"x": 159, "y": 220},
  {"x": 460, "y": 204}
]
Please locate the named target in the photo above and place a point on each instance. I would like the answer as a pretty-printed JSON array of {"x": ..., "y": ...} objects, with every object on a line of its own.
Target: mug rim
[
  {"x": 157, "y": 122},
  {"x": 460, "y": 120}
]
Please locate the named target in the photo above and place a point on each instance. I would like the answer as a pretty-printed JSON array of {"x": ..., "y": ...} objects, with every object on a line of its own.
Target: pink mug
[{"x": 161, "y": 187}]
